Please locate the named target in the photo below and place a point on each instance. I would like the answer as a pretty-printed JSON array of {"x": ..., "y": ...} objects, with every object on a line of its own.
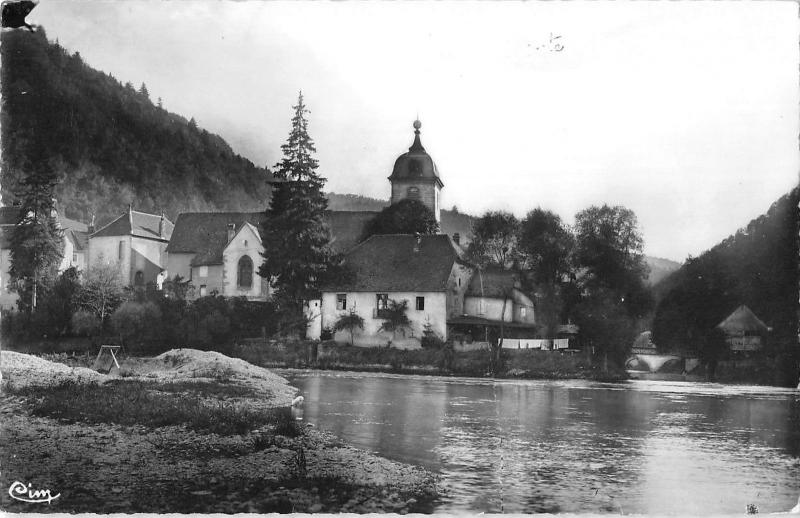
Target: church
[{"x": 445, "y": 295}]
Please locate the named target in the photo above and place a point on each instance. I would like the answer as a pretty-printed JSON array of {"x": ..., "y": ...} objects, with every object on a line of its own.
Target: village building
[
  {"x": 75, "y": 247},
  {"x": 495, "y": 299},
  {"x": 427, "y": 272},
  {"x": 744, "y": 331},
  {"x": 218, "y": 252},
  {"x": 135, "y": 241}
]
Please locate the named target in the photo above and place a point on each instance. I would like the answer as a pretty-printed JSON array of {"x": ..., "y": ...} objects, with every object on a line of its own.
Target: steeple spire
[{"x": 417, "y": 145}]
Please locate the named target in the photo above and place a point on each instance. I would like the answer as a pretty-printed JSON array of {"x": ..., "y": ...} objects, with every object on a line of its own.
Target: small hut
[{"x": 744, "y": 331}]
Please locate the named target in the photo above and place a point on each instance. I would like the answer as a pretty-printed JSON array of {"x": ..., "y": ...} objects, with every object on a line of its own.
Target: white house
[
  {"x": 427, "y": 272},
  {"x": 137, "y": 241},
  {"x": 75, "y": 247}
]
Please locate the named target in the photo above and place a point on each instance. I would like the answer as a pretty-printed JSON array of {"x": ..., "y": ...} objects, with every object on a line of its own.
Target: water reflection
[{"x": 643, "y": 447}]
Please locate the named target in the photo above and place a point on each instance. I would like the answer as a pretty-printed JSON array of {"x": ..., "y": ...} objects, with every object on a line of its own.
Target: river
[{"x": 573, "y": 446}]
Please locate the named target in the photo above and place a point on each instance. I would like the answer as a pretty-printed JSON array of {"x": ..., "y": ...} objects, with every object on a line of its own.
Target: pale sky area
[{"x": 686, "y": 113}]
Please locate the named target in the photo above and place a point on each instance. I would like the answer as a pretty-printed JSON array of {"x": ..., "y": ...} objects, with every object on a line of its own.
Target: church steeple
[{"x": 416, "y": 176}]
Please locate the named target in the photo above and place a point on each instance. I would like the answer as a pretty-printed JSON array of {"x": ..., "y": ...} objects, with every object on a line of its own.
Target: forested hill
[
  {"x": 757, "y": 266},
  {"x": 110, "y": 143}
]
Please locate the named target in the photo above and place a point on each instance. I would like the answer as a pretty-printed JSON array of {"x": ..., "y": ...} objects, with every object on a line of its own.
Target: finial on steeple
[{"x": 417, "y": 145}]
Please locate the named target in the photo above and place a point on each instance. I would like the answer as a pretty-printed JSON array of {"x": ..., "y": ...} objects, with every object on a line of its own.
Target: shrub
[
  {"x": 135, "y": 321},
  {"x": 84, "y": 323}
]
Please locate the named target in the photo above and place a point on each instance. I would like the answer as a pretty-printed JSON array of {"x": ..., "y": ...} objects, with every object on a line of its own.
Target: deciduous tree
[
  {"x": 404, "y": 217},
  {"x": 494, "y": 240}
]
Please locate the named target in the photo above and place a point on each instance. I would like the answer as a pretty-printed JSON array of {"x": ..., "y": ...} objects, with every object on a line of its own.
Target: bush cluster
[{"x": 144, "y": 320}]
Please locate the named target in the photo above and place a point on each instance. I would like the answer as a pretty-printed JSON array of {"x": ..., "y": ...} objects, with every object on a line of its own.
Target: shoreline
[{"x": 108, "y": 467}]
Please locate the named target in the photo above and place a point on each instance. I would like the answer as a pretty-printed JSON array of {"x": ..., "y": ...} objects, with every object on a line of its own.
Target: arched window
[
  {"x": 138, "y": 279},
  {"x": 244, "y": 279},
  {"x": 413, "y": 193}
]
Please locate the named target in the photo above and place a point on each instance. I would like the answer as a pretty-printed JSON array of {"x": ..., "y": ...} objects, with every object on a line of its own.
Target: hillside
[
  {"x": 659, "y": 269},
  {"x": 110, "y": 144},
  {"x": 756, "y": 266}
]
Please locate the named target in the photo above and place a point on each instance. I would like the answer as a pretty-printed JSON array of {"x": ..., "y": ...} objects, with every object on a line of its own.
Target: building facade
[{"x": 136, "y": 242}]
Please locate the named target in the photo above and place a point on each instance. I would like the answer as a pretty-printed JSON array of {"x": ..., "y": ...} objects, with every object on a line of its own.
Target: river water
[{"x": 573, "y": 446}]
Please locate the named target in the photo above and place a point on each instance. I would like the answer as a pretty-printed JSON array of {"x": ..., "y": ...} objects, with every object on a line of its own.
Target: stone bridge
[{"x": 654, "y": 362}]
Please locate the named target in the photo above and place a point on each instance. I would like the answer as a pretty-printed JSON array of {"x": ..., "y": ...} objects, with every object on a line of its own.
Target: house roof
[
  {"x": 742, "y": 319},
  {"x": 73, "y": 229},
  {"x": 399, "y": 262},
  {"x": 137, "y": 224},
  {"x": 492, "y": 283},
  {"x": 347, "y": 227},
  {"x": 206, "y": 234},
  {"x": 80, "y": 240}
]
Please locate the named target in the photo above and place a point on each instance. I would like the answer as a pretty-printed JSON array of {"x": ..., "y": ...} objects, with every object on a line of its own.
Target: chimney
[
  {"x": 91, "y": 225},
  {"x": 161, "y": 226},
  {"x": 457, "y": 238},
  {"x": 231, "y": 231}
]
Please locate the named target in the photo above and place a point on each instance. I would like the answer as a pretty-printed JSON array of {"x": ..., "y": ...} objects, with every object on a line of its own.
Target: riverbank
[
  {"x": 516, "y": 364},
  {"x": 187, "y": 431}
]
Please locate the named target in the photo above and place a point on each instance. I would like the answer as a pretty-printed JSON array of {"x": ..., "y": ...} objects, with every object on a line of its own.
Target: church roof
[
  {"x": 400, "y": 263},
  {"x": 741, "y": 320},
  {"x": 137, "y": 224},
  {"x": 416, "y": 164},
  {"x": 206, "y": 234}
]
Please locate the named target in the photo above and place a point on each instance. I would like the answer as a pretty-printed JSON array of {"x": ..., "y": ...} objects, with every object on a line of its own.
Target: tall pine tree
[
  {"x": 297, "y": 254},
  {"x": 37, "y": 242}
]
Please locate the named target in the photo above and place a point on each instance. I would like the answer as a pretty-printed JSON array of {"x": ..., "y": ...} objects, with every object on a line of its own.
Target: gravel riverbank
[{"x": 108, "y": 467}]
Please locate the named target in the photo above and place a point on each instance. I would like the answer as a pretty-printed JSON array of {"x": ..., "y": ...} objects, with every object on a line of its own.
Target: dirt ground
[{"x": 108, "y": 468}]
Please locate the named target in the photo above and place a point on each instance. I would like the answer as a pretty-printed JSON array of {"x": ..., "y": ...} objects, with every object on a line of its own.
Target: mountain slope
[
  {"x": 659, "y": 269},
  {"x": 109, "y": 143},
  {"x": 757, "y": 266}
]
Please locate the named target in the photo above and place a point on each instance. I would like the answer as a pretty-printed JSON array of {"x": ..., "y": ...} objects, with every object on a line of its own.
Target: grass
[{"x": 200, "y": 406}]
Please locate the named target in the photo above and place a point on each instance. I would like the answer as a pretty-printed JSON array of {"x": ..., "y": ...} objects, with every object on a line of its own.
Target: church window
[
  {"x": 245, "y": 272},
  {"x": 413, "y": 193},
  {"x": 138, "y": 279},
  {"x": 341, "y": 301}
]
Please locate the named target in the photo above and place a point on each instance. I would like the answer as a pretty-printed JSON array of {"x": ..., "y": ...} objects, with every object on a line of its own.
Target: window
[
  {"x": 420, "y": 303},
  {"x": 244, "y": 278},
  {"x": 138, "y": 279},
  {"x": 245, "y": 242},
  {"x": 341, "y": 301},
  {"x": 74, "y": 258},
  {"x": 522, "y": 312},
  {"x": 412, "y": 193},
  {"x": 121, "y": 252},
  {"x": 382, "y": 300},
  {"x": 203, "y": 290},
  {"x": 202, "y": 272}
]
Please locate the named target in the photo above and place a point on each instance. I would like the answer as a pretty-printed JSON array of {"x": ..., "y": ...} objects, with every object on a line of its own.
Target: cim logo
[{"x": 19, "y": 491}]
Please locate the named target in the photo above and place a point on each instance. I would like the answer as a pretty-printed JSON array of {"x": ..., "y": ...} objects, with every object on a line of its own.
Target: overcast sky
[{"x": 686, "y": 113}]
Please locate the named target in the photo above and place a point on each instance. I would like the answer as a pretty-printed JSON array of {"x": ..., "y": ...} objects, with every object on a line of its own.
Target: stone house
[
  {"x": 137, "y": 242},
  {"x": 75, "y": 248},
  {"x": 427, "y": 272},
  {"x": 218, "y": 252}
]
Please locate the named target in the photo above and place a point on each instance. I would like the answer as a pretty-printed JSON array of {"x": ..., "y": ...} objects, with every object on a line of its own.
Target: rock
[{"x": 315, "y": 508}]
